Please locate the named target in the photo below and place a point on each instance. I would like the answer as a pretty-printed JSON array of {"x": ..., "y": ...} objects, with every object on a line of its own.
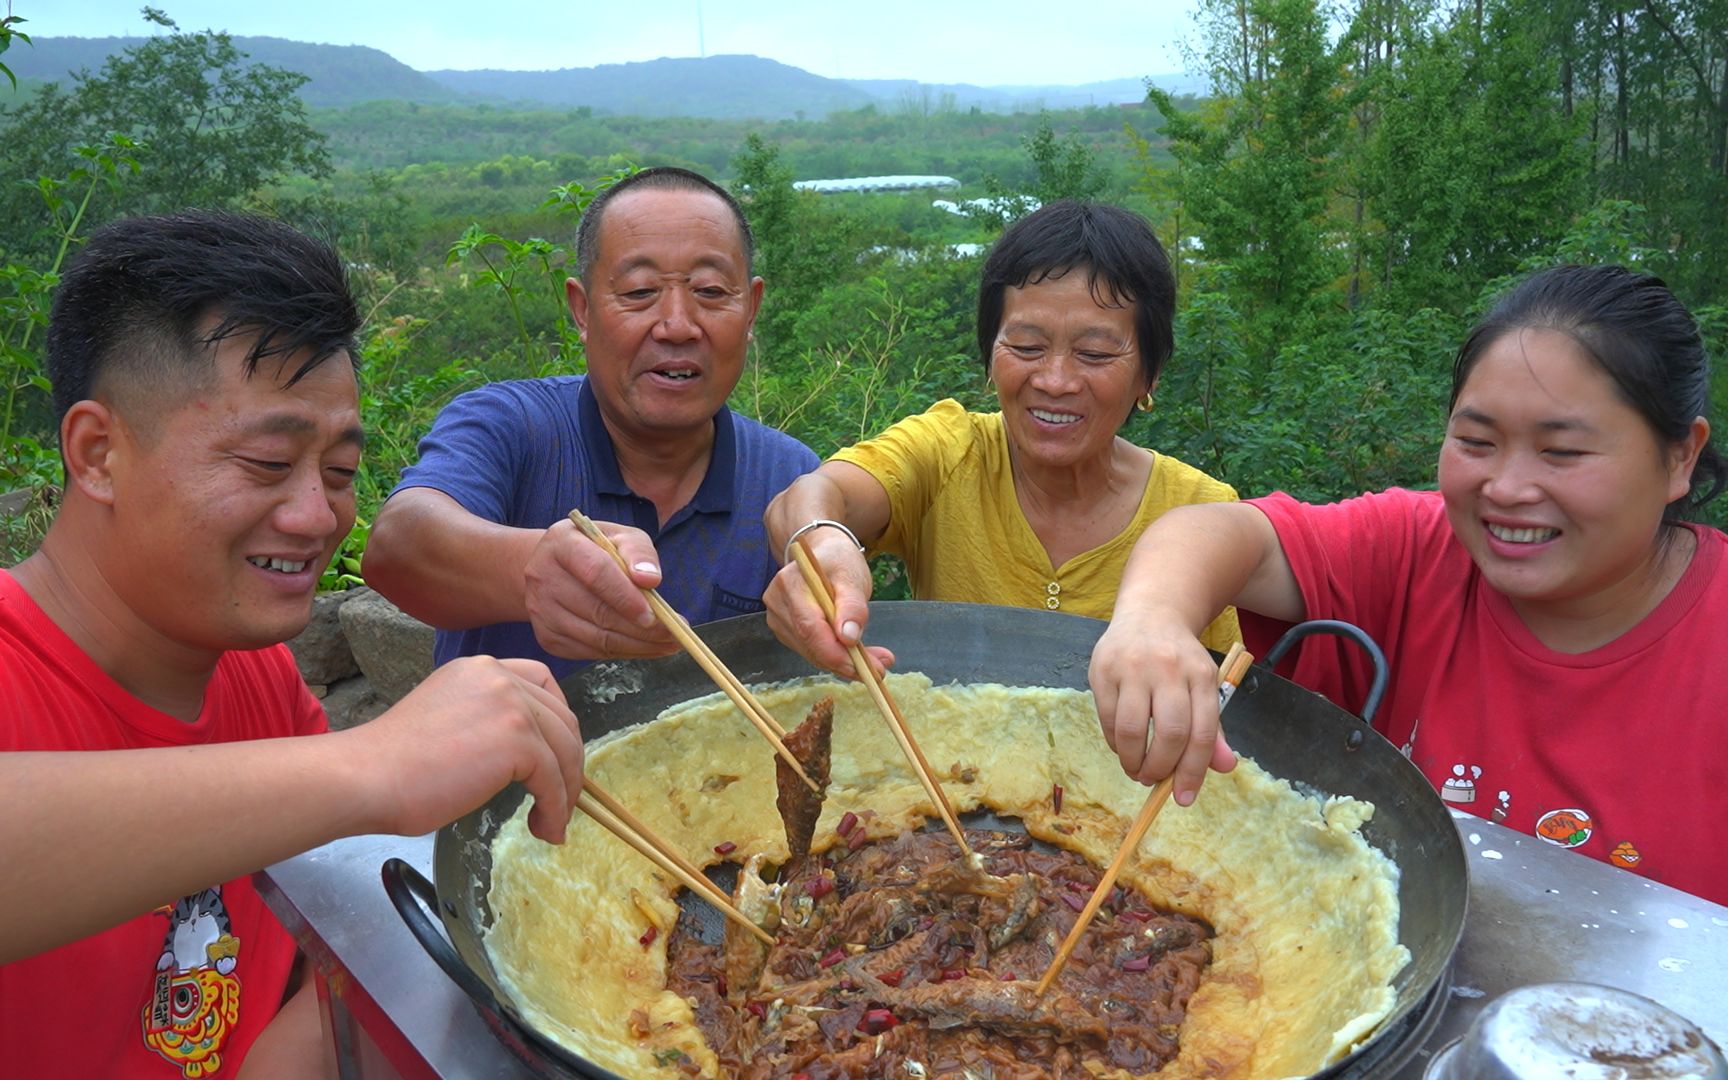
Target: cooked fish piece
[
  {"x": 744, "y": 952},
  {"x": 1011, "y": 1008},
  {"x": 799, "y": 806}
]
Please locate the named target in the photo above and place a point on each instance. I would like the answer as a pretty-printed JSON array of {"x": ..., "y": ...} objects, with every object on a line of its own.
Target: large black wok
[{"x": 1291, "y": 732}]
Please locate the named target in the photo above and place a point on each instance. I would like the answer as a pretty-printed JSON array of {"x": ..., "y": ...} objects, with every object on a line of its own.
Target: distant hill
[
  {"x": 718, "y": 87},
  {"x": 338, "y": 74},
  {"x": 912, "y": 93},
  {"x": 722, "y": 87}
]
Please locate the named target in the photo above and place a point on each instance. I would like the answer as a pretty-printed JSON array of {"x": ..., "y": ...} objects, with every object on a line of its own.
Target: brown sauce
[{"x": 894, "y": 961}]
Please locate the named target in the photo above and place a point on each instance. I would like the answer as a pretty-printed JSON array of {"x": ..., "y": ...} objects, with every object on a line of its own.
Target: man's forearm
[
  {"x": 446, "y": 567},
  {"x": 81, "y": 832}
]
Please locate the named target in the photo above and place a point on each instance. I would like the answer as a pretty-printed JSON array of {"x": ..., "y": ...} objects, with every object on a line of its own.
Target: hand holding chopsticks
[
  {"x": 872, "y": 680},
  {"x": 1230, "y": 673},
  {"x": 705, "y": 659}
]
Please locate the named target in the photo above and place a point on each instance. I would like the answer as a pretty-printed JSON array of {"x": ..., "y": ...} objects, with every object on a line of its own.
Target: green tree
[
  {"x": 1648, "y": 81},
  {"x": 1474, "y": 166},
  {"x": 1257, "y": 167},
  {"x": 1378, "y": 31},
  {"x": 804, "y": 244},
  {"x": 29, "y": 459},
  {"x": 9, "y": 30},
  {"x": 210, "y": 129},
  {"x": 1063, "y": 168}
]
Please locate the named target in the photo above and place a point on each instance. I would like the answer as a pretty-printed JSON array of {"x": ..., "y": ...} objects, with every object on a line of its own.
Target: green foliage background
[{"x": 1358, "y": 185}]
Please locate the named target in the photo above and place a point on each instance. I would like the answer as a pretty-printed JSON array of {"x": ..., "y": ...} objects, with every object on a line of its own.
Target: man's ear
[
  {"x": 576, "y": 297},
  {"x": 756, "y": 289},
  {"x": 88, "y": 443}
]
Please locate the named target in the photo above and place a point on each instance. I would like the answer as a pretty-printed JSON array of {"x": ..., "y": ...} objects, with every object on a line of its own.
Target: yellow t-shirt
[{"x": 954, "y": 518}]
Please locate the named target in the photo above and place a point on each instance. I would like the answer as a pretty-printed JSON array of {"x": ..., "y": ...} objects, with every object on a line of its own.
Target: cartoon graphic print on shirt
[
  {"x": 1459, "y": 788},
  {"x": 196, "y": 1001},
  {"x": 1625, "y": 856},
  {"x": 1502, "y": 809},
  {"x": 1568, "y": 828},
  {"x": 1408, "y": 748}
]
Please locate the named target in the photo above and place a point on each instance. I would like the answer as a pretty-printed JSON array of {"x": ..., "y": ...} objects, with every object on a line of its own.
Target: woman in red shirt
[{"x": 1550, "y": 618}]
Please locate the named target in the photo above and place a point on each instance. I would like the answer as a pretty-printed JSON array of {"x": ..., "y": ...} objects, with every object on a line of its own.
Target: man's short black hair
[
  {"x": 659, "y": 178},
  {"x": 140, "y": 308},
  {"x": 1124, "y": 262}
]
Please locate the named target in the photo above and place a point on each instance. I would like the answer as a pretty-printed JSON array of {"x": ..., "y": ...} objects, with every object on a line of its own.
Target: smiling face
[
  {"x": 1554, "y": 484},
  {"x": 665, "y": 311},
  {"x": 1067, "y": 370},
  {"x": 227, "y": 507}
]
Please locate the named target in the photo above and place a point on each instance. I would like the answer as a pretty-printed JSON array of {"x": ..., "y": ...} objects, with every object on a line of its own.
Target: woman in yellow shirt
[{"x": 1034, "y": 506}]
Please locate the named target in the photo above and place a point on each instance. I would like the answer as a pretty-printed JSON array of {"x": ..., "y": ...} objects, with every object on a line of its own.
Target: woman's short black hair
[
  {"x": 1637, "y": 331},
  {"x": 141, "y": 305},
  {"x": 1124, "y": 262}
]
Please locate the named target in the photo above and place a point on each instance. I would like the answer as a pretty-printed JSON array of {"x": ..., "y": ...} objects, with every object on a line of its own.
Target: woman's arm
[
  {"x": 836, "y": 491},
  {"x": 1149, "y": 670}
]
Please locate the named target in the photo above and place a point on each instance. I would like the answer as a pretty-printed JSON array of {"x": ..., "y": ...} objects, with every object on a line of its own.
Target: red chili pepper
[
  {"x": 848, "y": 822},
  {"x": 720, "y": 984},
  {"x": 1007, "y": 976},
  {"x": 756, "y": 1009},
  {"x": 1073, "y": 901},
  {"x": 1056, "y": 797},
  {"x": 857, "y": 839},
  {"x": 1138, "y": 916},
  {"x": 1139, "y": 963},
  {"x": 725, "y": 849},
  {"x": 953, "y": 974},
  {"x": 819, "y": 886},
  {"x": 876, "y": 1021},
  {"x": 648, "y": 936},
  {"x": 1077, "y": 886},
  {"x": 892, "y": 978},
  {"x": 801, "y": 1076},
  {"x": 834, "y": 956}
]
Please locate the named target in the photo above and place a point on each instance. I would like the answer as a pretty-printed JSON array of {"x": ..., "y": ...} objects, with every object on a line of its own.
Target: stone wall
[{"x": 360, "y": 654}]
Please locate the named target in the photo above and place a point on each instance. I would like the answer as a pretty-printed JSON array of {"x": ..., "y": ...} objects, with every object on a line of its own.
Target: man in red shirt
[{"x": 158, "y": 744}]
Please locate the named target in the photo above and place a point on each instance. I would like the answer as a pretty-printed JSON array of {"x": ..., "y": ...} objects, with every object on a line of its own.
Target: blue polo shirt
[{"x": 525, "y": 453}]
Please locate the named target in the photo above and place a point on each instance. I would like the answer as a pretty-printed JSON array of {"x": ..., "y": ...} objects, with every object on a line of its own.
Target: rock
[
  {"x": 14, "y": 503},
  {"x": 321, "y": 650},
  {"x": 353, "y": 701},
  {"x": 394, "y": 650}
]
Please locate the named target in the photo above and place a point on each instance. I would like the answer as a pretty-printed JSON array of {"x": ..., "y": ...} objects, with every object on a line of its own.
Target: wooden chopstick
[
  {"x": 1231, "y": 671},
  {"x": 697, "y": 648},
  {"x": 699, "y": 651},
  {"x": 611, "y": 816},
  {"x": 823, "y": 591}
]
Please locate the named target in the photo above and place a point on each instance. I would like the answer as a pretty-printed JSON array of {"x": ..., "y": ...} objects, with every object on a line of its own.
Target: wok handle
[
  {"x": 1376, "y": 689},
  {"x": 412, "y": 895}
]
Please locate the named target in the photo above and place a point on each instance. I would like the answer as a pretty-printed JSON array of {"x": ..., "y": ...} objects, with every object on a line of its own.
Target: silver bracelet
[{"x": 786, "y": 555}]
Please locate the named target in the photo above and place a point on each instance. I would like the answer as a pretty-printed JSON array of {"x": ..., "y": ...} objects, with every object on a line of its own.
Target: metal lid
[{"x": 1582, "y": 1032}]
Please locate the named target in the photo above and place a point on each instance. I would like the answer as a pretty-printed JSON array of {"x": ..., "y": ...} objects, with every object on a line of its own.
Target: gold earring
[{"x": 1145, "y": 403}]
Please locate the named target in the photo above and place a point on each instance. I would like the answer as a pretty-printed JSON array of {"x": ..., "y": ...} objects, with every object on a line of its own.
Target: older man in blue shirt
[{"x": 475, "y": 539}]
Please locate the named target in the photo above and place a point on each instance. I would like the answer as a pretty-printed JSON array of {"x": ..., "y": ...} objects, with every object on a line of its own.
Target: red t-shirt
[
  {"x": 1619, "y": 753},
  {"x": 182, "y": 991}
]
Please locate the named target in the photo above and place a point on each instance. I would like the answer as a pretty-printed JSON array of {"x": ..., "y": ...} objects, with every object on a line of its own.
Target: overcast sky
[{"x": 984, "y": 42}]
